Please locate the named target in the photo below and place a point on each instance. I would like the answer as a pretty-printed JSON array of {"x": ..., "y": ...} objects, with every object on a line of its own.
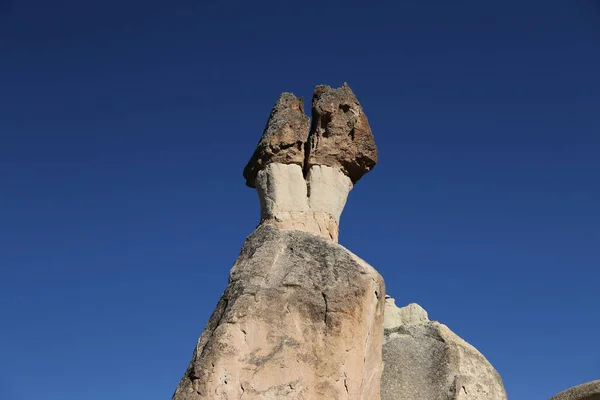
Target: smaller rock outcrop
[
  {"x": 424, "y": 359},
  {"x": 585, "y": 391}
]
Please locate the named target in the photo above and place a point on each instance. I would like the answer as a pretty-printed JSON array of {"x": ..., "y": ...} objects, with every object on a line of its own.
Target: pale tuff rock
[
  {"x": 303, "y": 180},
  {"x": 301, "y": 319},
  {"x": 425, "y": 360},
  {"x": 314, "y": 205},
  {"x": 411, "y": 314},
  {"x": 585, "y": 391}
]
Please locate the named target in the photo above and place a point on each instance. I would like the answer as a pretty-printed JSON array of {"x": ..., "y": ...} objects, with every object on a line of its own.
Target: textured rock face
[
  {"x": 340, "y": 135},
  {"x": 425, "y": 360},
  {"x": 301, "y": 318},
  {"x": 586, "y": 391},
  {"x": 283, "y": 139}
]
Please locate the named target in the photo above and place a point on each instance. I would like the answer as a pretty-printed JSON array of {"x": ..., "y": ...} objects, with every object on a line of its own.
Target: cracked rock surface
[
  {"x": 424, "y": 359},
  {"x": 301, "y": 318}
]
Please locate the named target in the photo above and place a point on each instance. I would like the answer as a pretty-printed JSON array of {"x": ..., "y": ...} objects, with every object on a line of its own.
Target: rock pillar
[{"x": 302, "y": 317}]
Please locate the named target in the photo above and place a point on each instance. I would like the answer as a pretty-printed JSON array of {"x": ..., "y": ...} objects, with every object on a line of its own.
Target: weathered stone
[
  {"x": 283, "y": 138},
  {"x": 411, "y": 314},
  {"x": 301, "y": 318},
  {"x": 425, "y": 360},
  {"x": 585, "y": 391},
  {"x": 288, "y": 201},
  {"x": 340, "y": 135}
]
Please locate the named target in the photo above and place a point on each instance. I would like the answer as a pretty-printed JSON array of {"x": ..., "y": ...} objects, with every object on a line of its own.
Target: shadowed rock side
[
  {"x": 283, "y": 139},
  {"x": 301, "y": 318},
  {"x": 586, "y": 391},
  {"x": 425, "y": 360},
  {"x": 340, "y": 135}
]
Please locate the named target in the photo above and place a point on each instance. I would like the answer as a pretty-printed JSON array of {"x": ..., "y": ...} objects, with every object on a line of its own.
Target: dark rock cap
[
  {"x": 283, "y": 139},
  {"x": 585, "y": 391},
  {"x": 340, "y": 135}
]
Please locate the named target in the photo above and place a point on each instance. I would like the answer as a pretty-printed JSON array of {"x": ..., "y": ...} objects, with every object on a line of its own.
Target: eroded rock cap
[
  {"x": 283, "y": 138},
  {"x": 339, "y": 136}
]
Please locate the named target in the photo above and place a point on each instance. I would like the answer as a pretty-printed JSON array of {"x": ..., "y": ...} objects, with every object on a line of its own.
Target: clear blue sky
[{"x": 125, "y": 126}]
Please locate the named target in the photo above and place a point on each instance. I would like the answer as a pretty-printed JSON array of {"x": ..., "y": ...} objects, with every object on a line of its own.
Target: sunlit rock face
[{"x": 301, "y": 318}]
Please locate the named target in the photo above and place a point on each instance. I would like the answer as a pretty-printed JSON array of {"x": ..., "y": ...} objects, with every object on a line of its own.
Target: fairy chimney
[
  {"x": 302, "y": 316},
  {"x": 303, "y": 176}
]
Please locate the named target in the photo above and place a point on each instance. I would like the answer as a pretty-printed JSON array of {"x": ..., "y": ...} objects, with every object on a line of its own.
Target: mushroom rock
[
  {"x": 303, "y": 179},
  {"x": 585, "y": 391},
  {"x": 302, "y": 316}
]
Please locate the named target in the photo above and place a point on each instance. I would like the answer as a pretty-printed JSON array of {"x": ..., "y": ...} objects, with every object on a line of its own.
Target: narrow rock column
[{"x": 302, "y": 317}]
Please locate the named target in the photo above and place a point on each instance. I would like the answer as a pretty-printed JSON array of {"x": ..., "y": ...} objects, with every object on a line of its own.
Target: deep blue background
[{"x": 125, "y": 125}]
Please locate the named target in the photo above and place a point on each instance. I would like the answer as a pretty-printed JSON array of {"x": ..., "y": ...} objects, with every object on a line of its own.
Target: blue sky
[{"x": 125, "y": 126}]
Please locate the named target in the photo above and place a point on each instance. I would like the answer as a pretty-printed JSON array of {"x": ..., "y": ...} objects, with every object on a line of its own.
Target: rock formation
[
  {"x": 302, "y": 317},
  {"x": 303, "y": 179},
  {"x": 425, "y": 360},
  {"x": 585, "y": 391}
]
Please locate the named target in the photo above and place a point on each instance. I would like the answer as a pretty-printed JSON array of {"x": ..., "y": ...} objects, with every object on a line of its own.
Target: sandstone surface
[
  {"x": 585, "y": 391},
  {"x": 301, "y": 318},
  {"x": 424, "y": 360}
]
